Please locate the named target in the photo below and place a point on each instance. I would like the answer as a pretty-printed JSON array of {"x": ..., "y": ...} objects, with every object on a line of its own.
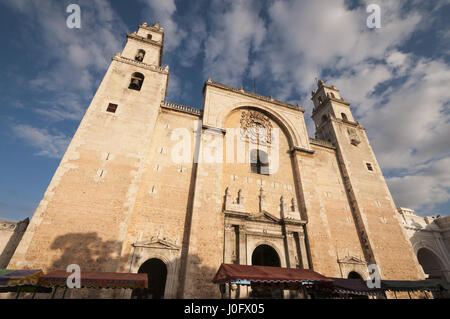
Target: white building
[{"x": 430, "y": 239}]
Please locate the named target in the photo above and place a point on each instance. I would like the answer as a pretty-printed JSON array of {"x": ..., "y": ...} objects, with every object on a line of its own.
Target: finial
[
  {"x": 209, "y": 80},
  {"x": 156, "y": 25},
  {"x": 320, "y": 83},
  {"x": 144, "y": 24}
]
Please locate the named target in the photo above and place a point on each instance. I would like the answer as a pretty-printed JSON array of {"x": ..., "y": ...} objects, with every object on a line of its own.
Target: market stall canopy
[
  {"x": 244, "y": 274},
  {"x": 354, "y": 286},
  {"x": 12, "y": 278},
  {"x": 419, "y": 285},
  {"x": 58, "y": 278}
]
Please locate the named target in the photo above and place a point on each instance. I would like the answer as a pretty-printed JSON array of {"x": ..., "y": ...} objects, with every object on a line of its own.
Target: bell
[{"x": 135, "y": 84}]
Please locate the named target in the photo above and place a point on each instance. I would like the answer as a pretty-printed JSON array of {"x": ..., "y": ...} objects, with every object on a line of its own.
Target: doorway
[
  {"x": 156, "y": 271},
  {"x": 354, "y": 275},
  {"x": 264, "y": 255}
]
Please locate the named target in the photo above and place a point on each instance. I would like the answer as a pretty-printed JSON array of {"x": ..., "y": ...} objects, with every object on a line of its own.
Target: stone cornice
[
  {"x": 214, "y": 129},
  {"x": 322, "y": 143},
  {"x": 253, "y": 95},
  {"x": 294, "y": 222},
  {"x": 427, "y": 230},
  {"x": 142, "y": 39},
  {"x": 150, "y": 67},
  {"x": 181, "y": 108},
  {"x": 152, "y": 28},
  {"x": 353, "y": 124},
  {"x": 301, "y": 149},
  {"x": 329, "y": 99}
]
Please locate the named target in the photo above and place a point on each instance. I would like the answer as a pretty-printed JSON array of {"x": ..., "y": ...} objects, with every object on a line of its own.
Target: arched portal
[
  {"x": 430, "y": 263},
  {"x": 156, "y": 271},
  {"x": 432, "y": 266},
  {"x": 264, "y": 255},
  {"x": 354, "y": 275}
]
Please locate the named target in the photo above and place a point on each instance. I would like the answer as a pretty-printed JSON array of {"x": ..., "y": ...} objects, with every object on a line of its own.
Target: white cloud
[
  {"x": 237, "y": 31},
  {"x": 70, "y": 60},
  {"x": 407, "y": 122},
  {"x": 163, "y": 11},
  {"x": 424, "y": 189},
  {"x": 48, "y": 144}
]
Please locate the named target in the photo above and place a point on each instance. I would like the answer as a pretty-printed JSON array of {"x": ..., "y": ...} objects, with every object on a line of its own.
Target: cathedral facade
[{"x": 147, "y": 185}]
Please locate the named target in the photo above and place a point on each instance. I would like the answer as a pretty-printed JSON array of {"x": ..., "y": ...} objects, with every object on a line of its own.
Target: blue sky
[{"x": 397, "y": 78}]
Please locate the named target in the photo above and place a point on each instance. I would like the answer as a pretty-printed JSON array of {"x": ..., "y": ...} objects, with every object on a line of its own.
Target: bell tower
[
  {"x": 145, "y": 45},
  {"x": 328, "y": 104},
  {"x": 94, "y": 188},
  {"x": 370, "y": 201}
]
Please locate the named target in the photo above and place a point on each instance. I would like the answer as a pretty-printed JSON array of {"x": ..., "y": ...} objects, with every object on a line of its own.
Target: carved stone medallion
[{"x": 256, "y": 127}]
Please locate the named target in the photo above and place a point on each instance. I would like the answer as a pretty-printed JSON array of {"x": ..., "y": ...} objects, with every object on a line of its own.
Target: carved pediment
[
  {"x": 157, "y": 243},
  {"x": 264, "y": 217},
  {"x": 352, "y": 260}
]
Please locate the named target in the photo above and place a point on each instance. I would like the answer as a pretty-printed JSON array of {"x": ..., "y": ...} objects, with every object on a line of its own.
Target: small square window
[
  {"x": 369, "y": 166},
  {"x": 149, "y": 36},
  {"x": 111, "y": 108}
]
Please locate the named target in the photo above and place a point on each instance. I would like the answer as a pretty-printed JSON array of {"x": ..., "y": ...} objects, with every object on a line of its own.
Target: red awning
[
  {"x": 265, "y": 274},
  {"x": 354, "y": 286},
  {"x": 58, "y": 278}
]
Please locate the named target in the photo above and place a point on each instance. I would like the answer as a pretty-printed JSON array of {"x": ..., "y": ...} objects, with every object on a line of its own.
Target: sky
[{"x": 397, "y": 77}]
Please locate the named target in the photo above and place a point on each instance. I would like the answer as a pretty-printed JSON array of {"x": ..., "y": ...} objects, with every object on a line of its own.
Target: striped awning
[
  {"x": 12, "y": 278},
  {"x": 418, "y": 285},
  {"x": 113, "y": 280},
  {"x": 354, "y": 287},
  {"x": 250, "y": 275}
]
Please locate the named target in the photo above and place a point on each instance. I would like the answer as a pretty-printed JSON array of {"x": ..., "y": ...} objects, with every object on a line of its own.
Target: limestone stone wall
[
  {"x": 332, "y": 234},
  {"x": 86, "y": 210},
  {"x": 158, "y": 222},
  {"x": 374, "y": 207}
]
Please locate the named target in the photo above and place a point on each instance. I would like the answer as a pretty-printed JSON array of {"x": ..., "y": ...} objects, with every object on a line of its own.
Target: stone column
[
  {"x": 304, "y": 256},
  {"x": 243, "y": 290},
  {"x": 291, "y": 249},
  {"x": 228, "y": 245}
]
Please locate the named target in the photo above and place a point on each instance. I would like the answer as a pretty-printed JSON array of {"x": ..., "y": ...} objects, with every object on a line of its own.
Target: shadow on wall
[
  {"x": 198, "y": 283},
  {"x": 91, "y": 253},
  {"x": 88, "y": 251}
]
